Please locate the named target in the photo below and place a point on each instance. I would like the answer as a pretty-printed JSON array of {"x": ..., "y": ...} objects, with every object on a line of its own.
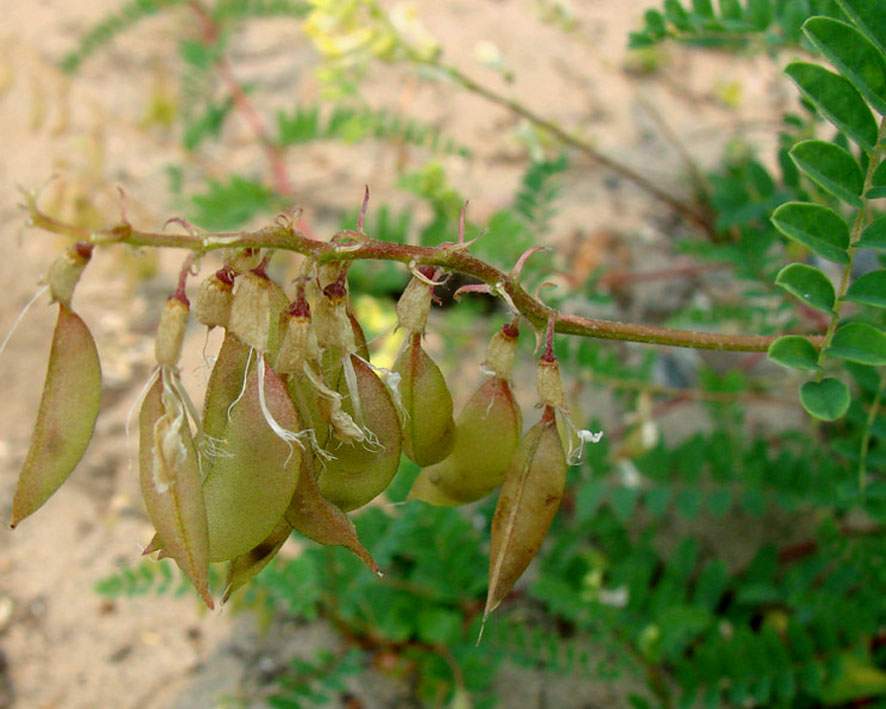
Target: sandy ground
[{"x": 61, "y": 645}]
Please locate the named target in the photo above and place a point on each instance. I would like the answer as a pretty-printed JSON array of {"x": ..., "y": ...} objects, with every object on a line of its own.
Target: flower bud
[
  {"x": 298, "y": 343},
  {"x": 331, "y": 322},
  {"x": 171, "y": 332},
  {"x": 414, "y": 305},
  {"x": 255, "y": 311},
  {"x": 212, "y": 306},
  {"x": 65, "y": 271},
  {"x": 549, "y": 384},
  {"x": 501, "y": 350}
]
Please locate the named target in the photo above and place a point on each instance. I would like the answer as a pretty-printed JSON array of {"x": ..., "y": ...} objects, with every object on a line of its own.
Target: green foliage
[
  {"x": 354, "y": 124},
  {"x": 638, "y": 579}
]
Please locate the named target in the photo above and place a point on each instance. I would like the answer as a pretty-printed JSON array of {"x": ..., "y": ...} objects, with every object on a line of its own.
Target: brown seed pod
[
  {"x": 170, "y": 481},
  {"x": 312, "y": 515},
  {"x": 253, "y": 477},
  {"x": 429, "y": 431},
  {"x": 66, "y": 417},
  {"x": 360, "y": 471},
  {"x": 241, "y": 569},
  {"x": 486, "y": 434},
  {"x": 528, "y": 501}
]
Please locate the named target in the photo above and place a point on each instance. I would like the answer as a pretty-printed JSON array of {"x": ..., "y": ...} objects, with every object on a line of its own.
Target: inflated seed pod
[
  {"x": 486, "y": 434},
  {"x": 66, "y": 417},
  {"x": 360, "y": 471},
  {"x": 312, "y": 515},
  {"x": 241, "y": 569},
  {"x": 170, "y": 482},
  {"x": 487, "y": 431},
  {"x": 528, "y": 501},
  {"x": 428, "y": 428},
  {"x": 252, "y": 480},
  {"x": 225, "y": 385}
]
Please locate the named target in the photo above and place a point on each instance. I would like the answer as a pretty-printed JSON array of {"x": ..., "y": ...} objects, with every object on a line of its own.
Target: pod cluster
[{"x": 298, "y": 427}]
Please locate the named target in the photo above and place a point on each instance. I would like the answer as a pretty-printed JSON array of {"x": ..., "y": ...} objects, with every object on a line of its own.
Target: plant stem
[
  {"x": 857, "y": 227},
  {"x": 691, "y": 212},
  {"x": 866, "y": 438},
  {"x": 351, "y": 246}
]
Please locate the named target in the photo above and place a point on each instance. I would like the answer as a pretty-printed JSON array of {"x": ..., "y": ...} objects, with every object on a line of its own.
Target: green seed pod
[
  {"x": 429, "y": 431},
  {"x": 312, "y": 515},
  {"x": 170, "y": 481},
  {"x": 529, "y": 498},
  {"x": 66, "y": 417},
  {"x": 360, "y": 471},
  {"x": 225, "y": 385},
  {"x": 243, "y": 568},
  {"x": 252, "y": 479},
  {"x": 486, "y": 434}
]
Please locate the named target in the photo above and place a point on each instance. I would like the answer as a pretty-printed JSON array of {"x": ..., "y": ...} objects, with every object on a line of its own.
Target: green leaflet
[
  {"x": 428, "y": 427},
  {"x": 833, "y": 168},
  {"x": 817, "y": 227},
  {"x": 253, "y": 476},
  {"x": 874, "y": 235},
  {"x": 868, "y": 17},
  {"x": 853, "y": 55},
  {"x": 859, "y": 342},
  {"x": 870, "y": 289},
  {"x": 838, "y": 100},
  {"x": 66, "y": 417},
  {"x": 170, "y": 482},
  {"x": 794, "y": 351},
  {"x": 809, "y": 285}
]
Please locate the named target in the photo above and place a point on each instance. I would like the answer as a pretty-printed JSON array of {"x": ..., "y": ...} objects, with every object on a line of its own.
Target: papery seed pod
[
  {"x": 361, "y": 471},
  {"x": 66, "y": 417},
  {"x": 486, "y": 434},
  {"x": 528, "y": 501},
  {"x": 65, "y": 271},
  {"x": 212, "y": 305},
  {"x": 428, "y": 428},
  {"x": 241, "y": 569},
  {"x": 170, "y": 482},
  {"x": 256, "y": 310},
  {"x": 312, "y": 515},
  {"x": 251, "y": 482}
]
